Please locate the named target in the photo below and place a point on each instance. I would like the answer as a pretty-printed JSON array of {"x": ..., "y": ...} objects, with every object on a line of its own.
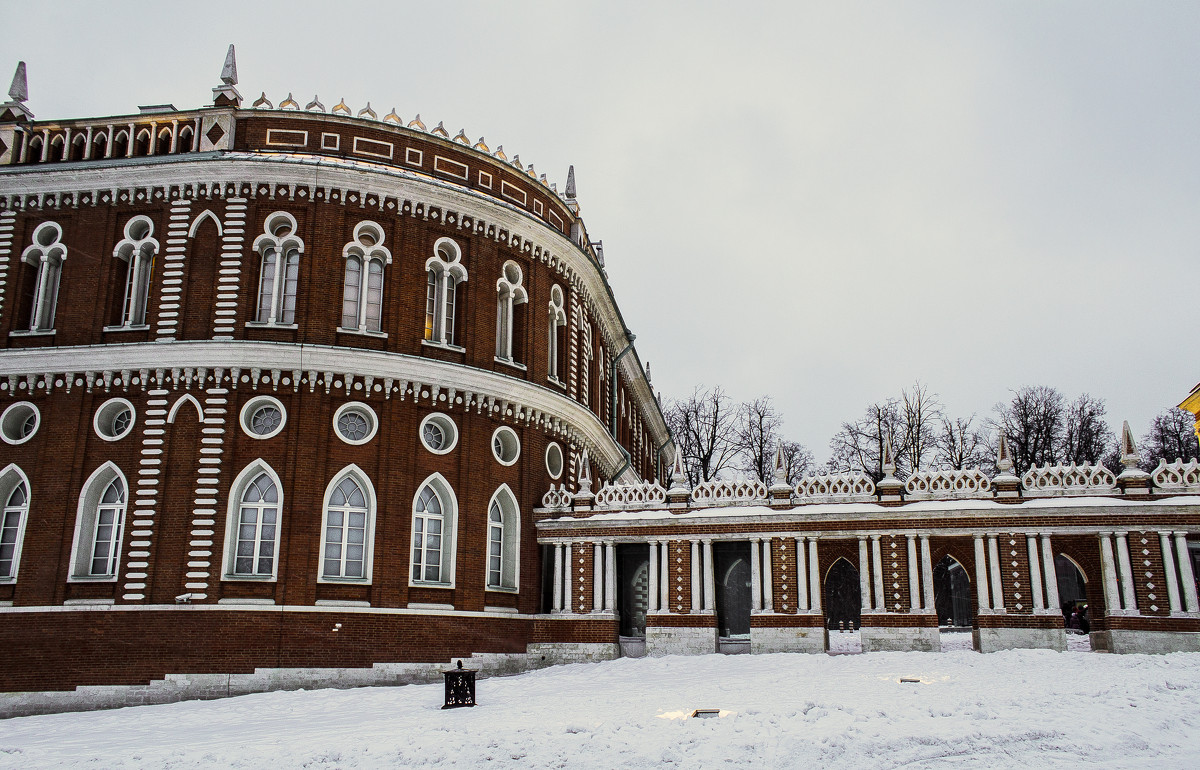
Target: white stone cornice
[{"x": 490, "y": 390}]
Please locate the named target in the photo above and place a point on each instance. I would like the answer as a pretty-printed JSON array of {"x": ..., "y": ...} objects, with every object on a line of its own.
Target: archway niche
[
  {"x": 952, "y": 594},
  {"x": 731, "y": 562},
  {"x": 843, "y": 596}
]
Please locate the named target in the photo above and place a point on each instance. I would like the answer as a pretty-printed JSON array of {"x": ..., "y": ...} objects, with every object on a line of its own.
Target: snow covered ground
[{"x": 1025, "y": 708}]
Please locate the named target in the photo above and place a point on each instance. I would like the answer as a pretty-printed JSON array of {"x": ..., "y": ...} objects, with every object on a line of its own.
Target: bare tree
[
  {"x": 757, "y": 435},
  {"x": 859, "y": 445},
  {"x": 798, "y": 462},
  {"x": 960, "y": 445},
  {"x": 920, "y": 413},
  {"x": 1033, "y": 422},
  {"x": 1086, "y": 436},
  {"x": 704, "y": 429},
  {"x": 1171, "y": 437}
]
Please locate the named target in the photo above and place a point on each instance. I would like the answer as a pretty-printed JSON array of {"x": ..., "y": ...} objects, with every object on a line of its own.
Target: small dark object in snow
[
  {"x": 904, "y": 679},
  {"x": 706, "y": 713},
  {"x": 460, "y": 687}
]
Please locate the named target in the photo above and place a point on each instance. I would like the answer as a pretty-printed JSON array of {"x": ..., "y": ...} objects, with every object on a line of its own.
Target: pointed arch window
[
  {"x": 349, "y": 528},
  {"x": 444, "y": 273},
  {"x": 435, "y": 517},
  {"x": 99, "y": 525},
  {"x": 14, "y": 494},
  {"x": 279, "y": 275},
  {"x": 510, "y": 296},
  {"x": 503, "y": 541},
  {"x": 252, "y": 524},
  {"x": 362, "y": 294},
  {"x": 41, "y": 274},
  {"x": 556, "y": 336},
  {"x": 136, "y": 251}
]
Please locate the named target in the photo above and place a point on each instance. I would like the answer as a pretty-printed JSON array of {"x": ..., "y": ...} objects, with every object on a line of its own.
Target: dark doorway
[
  {"x": 843, "y": 596},
  {"x": 547, "y": 598},
  {"x": 1071, "y": 584},
  {"x": 633, "y": 579},
  {"x": 731, "y": 562},
  {"x": 952, "y": 593}
]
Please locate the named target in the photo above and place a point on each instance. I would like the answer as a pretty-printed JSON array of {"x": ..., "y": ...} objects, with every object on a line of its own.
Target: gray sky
[{"x": 820, "y": 203}]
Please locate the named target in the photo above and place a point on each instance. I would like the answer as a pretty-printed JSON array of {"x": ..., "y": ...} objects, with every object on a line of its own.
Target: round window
[
  {"x": 554, "y": 460},
  {"x": 263, "y": 417},
  {"x": 114, "y": 419},
  {"x": 19, "y": 422},
  {"x": 439, "y": 434},
  {"x": 355, "y": 423},
  {"x": 505, "y": 445}
]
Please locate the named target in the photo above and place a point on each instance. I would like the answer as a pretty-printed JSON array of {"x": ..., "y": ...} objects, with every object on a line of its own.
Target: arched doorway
[
  {"x": 633, "y": 595},
  {"x": 952, "y": 593},
  {"x": 1072, "y": 585},
  {"x": 731, "y": 562},
  {"x": 843, "y": 597}
]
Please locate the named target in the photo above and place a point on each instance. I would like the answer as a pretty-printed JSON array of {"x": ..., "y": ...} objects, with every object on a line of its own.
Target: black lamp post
[{"x": 460, "y": 687}]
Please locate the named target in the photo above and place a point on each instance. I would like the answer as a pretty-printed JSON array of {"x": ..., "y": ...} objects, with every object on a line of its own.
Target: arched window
[
  {"x": 362, "y": 297},
  {"x": 137, "y": 251},
  {"x": 184, "y": 144},
  {"x": 279, "y": 276},
  {"x": 252, "y": 524},
  {"x": 435, "y": 517},
  {"x": 121, "y": 145},
  {"x": 14, "y": 494},
  {"x": 503, "y": 541},
  {"x": 556, "y": 339},
  {"x": 42, "y": 270},
  {"x": 510, "y": 294},
  {"x": 34, "y": 154},
  {"x": 141, "y": 147},
  {"x": 445, "y": 272},
  {"x": 163, "y": 146},
  {"x": 78, "y": 147},
  {"x": 100, "y": 145},
  {"x": 57, "y": 148},
  {"x": 99, "y": 525},
  {"x": 349, "y": 527}
]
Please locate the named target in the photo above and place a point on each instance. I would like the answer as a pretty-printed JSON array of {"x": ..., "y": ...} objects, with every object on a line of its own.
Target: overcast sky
[{"x": 817, "y": 202}]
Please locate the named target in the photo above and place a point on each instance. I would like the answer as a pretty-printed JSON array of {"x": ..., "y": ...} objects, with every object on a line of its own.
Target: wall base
[
  {"x": 811, "y": 639},
  {"x": 995, "y": 639},
  {"x": 900, "y": 639},
  {"x": 552, "y": 653},
  {"x": 1151, "y": 642},
  {"x": 680, "y": 640}
]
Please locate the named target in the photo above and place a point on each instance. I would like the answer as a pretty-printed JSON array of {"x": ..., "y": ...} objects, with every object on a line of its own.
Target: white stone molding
[
  {"x": 948, "y": 484},
  {"x": 171, "y": 280},
  {"x": 838, "y": 487},
  {"x": 1073, "y": 479},
  {"x": 729, "y": 492},
  {"x": 1177, "y": 476},
  {"x": 6, "y": 240},
  {"x": 645, "y": 494}
]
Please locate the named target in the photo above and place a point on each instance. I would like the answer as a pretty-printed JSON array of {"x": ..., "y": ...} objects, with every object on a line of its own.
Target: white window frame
[
  {"x": 233, "y": 515},
  {"x": 367, "y": 251},
  {"x": 47, "y": 254},
  {"x": 363, "y": 409},
  {"x": 368, "y": 489},
  {"x": 444, "y": 272},
  {"x": 510, "y": 542},
  {"x": 7, "y": 416},
  {"x": 448, "y": 426},
  {"x": 509, "y": 293},
  {"x": 84, "y": 541},
  {"x": 562, "y": 461},
  {"x": 11, "y": 477},
  {"x": 251, "y": 406},
  {"x": 557, "y": 319},
  {"x": 107, "y": 412},
  {"x": 504, "y": 430},
  {"x": 279, "y": 240},
  {"x": 137, "y": 250},
  {"x": 449, "y": 502}
]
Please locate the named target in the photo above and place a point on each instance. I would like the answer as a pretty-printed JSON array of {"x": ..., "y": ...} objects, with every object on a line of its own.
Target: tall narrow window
[
  {"x": 258, "y": 517},
  {"x": 509, "y": 295},
  {"x": 99, "y": 524},
  {"x": 137, "y": 252},
  {"x": 362, "y": 295},
  {"x": 495, "y": 544},
  {"x": 503, "y": 534},
  {"x": 110, "y": 518},
  {"x": 435, "y": 516},
  {"x": 555, "y": 338},
  {"x": 445, "y": 272},
  {"x": 14, "y": 493},
  {"x": 279, "y": 275},
  {"x": 43, "y": 261},
  {"x": 349, "y": 525}
]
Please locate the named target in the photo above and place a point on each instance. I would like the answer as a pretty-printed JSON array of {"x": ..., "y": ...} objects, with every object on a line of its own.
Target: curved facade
[{"x": 264, "y": 367}]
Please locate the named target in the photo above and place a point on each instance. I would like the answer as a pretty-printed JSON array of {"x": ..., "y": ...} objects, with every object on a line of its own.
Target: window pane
[
  {"x": 374, "y": 294},
  {"x": 351, "y": 293},
  {"x": 291, "y": 281},
  {"x": 451, "y": 298},
  {"x": 266, "y": 286},
  {"x": 430, "y": 304}
]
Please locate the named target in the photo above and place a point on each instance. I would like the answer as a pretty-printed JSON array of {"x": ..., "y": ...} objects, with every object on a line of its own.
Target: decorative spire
[
  {"x": 889, "y": 460},
  {"x": 585, "y": 475},
  {"x": 263, "y": 103},
  {"x": 1129, "y": 453},
  {"x": 678, "y": 472},
  {"x": 341, "y": 108},
  {"x": 481, "y": 145},
  {"x": 229, "y": 71},
  {"x": 392, "y": 117},
  {"x": 499, "y": 153},
  {"x": 1004, "y": 461},
  {"x": 461, "y": 137},
  {"x": 315, "y": 105},
  {"x": 225, "y": 95},
  {"x": 649, "y": 380},
  {"x": 570, "y": 191},
  {"x": 19, "y": 90},
  {"x": 367, "y": 112},
  {"x": 416, "y": 123},
  {"x": 441, "y": 131},
  {"x": 779, "y": 478},
  {"x": 289, "y": 103}
]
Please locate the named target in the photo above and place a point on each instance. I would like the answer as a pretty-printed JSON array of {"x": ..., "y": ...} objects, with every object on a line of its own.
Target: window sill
[
  {"x": 556, "y": 382},
  {"x": 502, "y": 590},
  {"x": 250, "y": 578},
  {"x": 510, "y": 362},
  {"x": 362, "y": 332},
  {"x": 340, "y": 603},
  {"x": 92, "y": 579},
  {"x": 343, "y": 581},
  {"x": 443, "y": 346},
  {"x": 419, "y": 584},
  {"x": 89, "y": 602},
  {"x": 247, "y": 601},
  {"x": 268, "y": 325},
  {"x": 35, "y": 333},
  {"x": 428, "y": 606},
  {"x": 503, "y": 610},
  {"x": 137, "y": 328}
]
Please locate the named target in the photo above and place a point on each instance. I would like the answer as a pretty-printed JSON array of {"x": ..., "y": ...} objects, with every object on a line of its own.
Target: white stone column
[
  {"x": 768, "y": 583},
  {"x": 664, "y": 578},
  {"x": 597, "y": 577},
  {"x": 695, "y": 576},
  {"x": 914, "y": 583},
  {"x": 556, "y": 603},
  {"x": 1128, "y": 594},
  {"x": 1168, "y": 560},
  {"x": 568, "y": 588},
  {"x": 801, "y": 577},
  {"x": 610, "y": 576},
  {"x": 877, "y": 559},
  {"x": 1186, "y": 577},
  {"x": 710, "y": 581},
  {"x": 1052, "y": 599},
  {"x": 1035, "y": 572},
  {"x": 927, "y": 575},
  {"x": 1108, "y": 569},
  {"x": 997, "y": 584},
  {"x": 814, "y": 577},
  {"x": 864, "y": 574},
  {"x": 652, "y": 573},
  {"x": 981, "y": 577},
  {"x": 755, "y": 577}
]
